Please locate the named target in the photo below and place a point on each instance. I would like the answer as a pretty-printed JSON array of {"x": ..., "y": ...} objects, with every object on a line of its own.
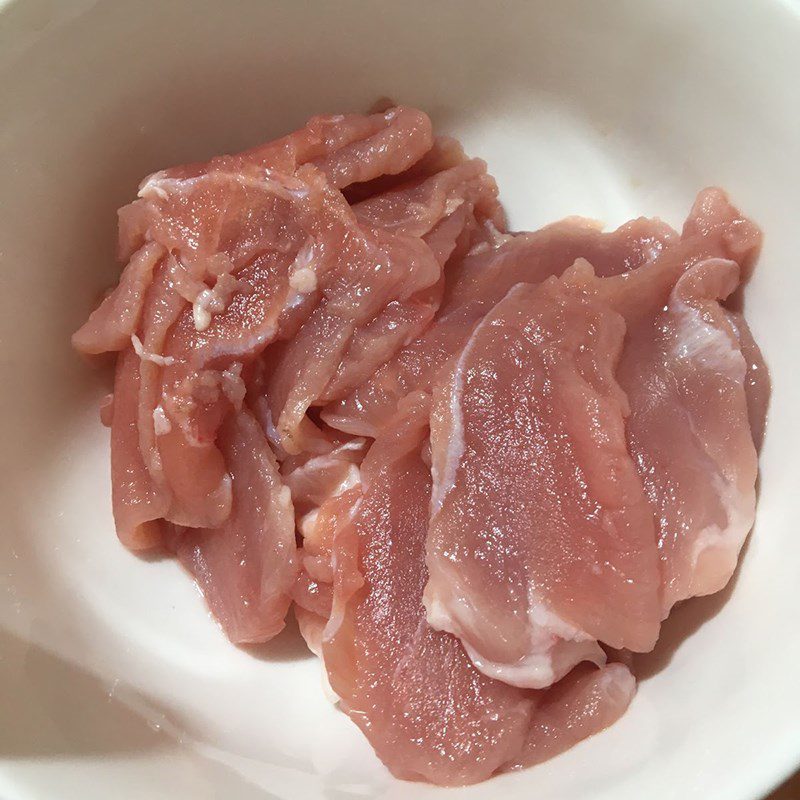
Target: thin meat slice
[
  {"x": 445, "y": 153},
  {"x": 353, "y": 148},
  {"x": 416, "y": 207},
  {"x": 137, "y": 500},
  {"x": 371, "y": 305},
  {"x": 473, "y": 286},
  {"x": 195, "y": 478},
  {"x": 246, "y": 246},
  {"x": 686, "y": 379},
  {"x": 246, "y": 567},
  {"x": 541, "y": 540},
  {"x": 425, "y": 709},
  {"x": 111, "y": 325}
]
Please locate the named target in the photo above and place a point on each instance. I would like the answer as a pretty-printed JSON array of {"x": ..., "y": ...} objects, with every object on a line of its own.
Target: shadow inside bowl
[
  {"x": 685, "y": 619},
  {"x": 288, "y": 645}
]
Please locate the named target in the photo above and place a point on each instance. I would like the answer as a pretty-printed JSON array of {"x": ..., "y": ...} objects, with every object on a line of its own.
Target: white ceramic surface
[{"x": 113, "y": 680}]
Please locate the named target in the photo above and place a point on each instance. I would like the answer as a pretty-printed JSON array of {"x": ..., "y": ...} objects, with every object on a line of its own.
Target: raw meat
[
  {"x": 541, "y": 538},
  {"x": 480, "y": 465},
  {"x": 685, "y": 377},
  {"x": 247, "y": 566},
  {"x": 480, "y": 281},
  {"x": 426, "y": 710}
]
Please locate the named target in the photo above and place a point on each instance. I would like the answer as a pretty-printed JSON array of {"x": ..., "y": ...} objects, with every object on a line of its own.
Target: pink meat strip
[
  {"x": 686, "y": 379},
  {"x": 246, "y": 567}
]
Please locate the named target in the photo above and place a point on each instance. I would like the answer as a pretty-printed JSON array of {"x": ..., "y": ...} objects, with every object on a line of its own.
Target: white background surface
[{"x": 113, "y": 680}]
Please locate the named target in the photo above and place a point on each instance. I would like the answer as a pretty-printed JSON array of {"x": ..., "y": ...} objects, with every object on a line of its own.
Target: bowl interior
[{"x": 110, "y": 668}]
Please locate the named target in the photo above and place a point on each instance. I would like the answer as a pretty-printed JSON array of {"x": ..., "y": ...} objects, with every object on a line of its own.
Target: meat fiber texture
[{"x": 474, "y": 462}]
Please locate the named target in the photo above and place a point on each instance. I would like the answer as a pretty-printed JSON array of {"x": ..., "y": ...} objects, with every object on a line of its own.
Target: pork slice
[
  {"x": 400, "y": 322},
  {"x": 416, "y": 207},
  {"x": 366, "y": 270},
  {"x": 425, "y": 709},
  {"x": 138, "y": 501},
  {"x": 353, "y": 148},
  {"x": 444, "y": 154},
  {"x": 686, "y": 379},
  {"x": 246, "y": 567},
  {"x": 111, "y": 325},
  {"x": 541, "y": 538}
]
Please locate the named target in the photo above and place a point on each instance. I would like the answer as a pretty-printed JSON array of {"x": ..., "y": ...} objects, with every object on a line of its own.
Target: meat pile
[{"x": 479, "y": 464}]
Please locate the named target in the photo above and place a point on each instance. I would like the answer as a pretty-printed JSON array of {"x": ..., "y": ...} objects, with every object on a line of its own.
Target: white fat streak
[
  {"x": 452, "y": 204},
  {"x": 539, "y": 670},
  {"x": 697, "y": 339},
  {"x": 161, "y": 423},
  {"x": 444, "y": 480},
  {"x": 555, "y": 646},
  {"x": 308, "y": 523},
  {"x": 200, "y": 313},
  {"x": 159, "y": 185},
  {"x": 151, "y": 186},
  {"x": 740, "y": 511},
  {"x": 138, "y": 348},
  {"x": 480, "y": 247},
  {"x": 303, "y": 280}
]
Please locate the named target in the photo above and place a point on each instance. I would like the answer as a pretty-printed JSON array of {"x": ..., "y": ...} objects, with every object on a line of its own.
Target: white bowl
[{"x": 115, "y": 682}]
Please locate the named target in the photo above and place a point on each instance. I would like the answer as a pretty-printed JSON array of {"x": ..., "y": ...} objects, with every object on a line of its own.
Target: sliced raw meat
[
  {"x": 415, "y": 208},
  {"x": 351, "y": 148},
  {"x": 479, "y": 282},
  {"x": 443, "y": 155},
  {"x": 555, "y": 429},
  {"x": 685, "y": 378},
  {"x": 246, "y": 567},
  {"x": 412, "y": 690},
  {"x": 541, "y": 538},
  {"x": 138, "y": 502},
  {"x": 246, "y": 253},
  {"x": 383, "y": 287},
  {"x": 373, "y": 344},
  {"x": 368, "y": 270}
]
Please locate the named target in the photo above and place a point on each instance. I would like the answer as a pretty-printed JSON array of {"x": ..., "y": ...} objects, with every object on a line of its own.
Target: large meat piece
[
  {"x": 541, "y": 540},
  {"x": 512, "y": 500},
  {"x": 412, "y": 690}
]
